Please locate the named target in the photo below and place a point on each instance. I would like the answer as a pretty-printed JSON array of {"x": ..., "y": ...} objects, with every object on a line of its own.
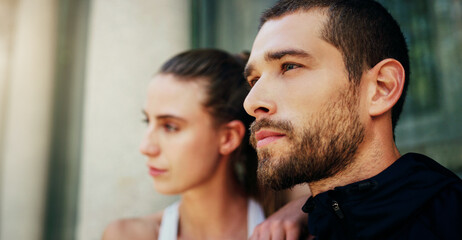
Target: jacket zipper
[
  {"x": 337, "y": 209},
  {"x": 347, "y": 231}
]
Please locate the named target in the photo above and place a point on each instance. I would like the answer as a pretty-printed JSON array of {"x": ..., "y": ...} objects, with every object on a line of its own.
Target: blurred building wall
[
  {"x": 89, "y": 164},
  {"x": 27, "y": 44},
  {"x": 127, "y": 42}
]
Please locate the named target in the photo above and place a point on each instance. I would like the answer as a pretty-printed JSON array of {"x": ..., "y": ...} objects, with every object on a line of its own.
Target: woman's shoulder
[{"x": 140, "y": 228}]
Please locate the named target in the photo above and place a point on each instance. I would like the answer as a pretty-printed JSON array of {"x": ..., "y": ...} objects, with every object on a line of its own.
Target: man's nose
[{"x": 260, "y": 102}]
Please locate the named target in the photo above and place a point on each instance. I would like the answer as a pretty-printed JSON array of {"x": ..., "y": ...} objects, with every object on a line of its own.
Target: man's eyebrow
[
  {"x": 248, "y": 69},
  {"x": 277, "y": 55}
]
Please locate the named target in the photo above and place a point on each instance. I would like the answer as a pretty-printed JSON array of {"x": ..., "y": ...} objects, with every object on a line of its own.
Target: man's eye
[
  {"x": 289, "y": 66},
  {"x": 253, "y": 81}
]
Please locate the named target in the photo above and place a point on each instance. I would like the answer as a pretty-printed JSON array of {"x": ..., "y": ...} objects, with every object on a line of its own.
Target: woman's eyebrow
[{"x": 170, "y": 116}]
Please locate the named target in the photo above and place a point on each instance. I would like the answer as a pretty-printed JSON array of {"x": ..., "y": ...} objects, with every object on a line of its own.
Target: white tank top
[{"x": 169, "y": 224}]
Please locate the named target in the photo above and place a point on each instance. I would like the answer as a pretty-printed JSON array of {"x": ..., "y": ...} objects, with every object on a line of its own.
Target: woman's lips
[
  {"x": 154, "y": 172},
  {"x": 265, "y": 137}
]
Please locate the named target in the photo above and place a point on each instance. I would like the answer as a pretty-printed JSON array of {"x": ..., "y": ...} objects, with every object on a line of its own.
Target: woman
[{"x": 197, "y": 146}]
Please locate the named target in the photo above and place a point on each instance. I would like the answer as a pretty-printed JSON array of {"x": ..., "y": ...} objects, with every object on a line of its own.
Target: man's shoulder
[
  {"x": 441, "y": 216},
  {"x": 133, "y": 228},
  {"x": 447, "y": 202},
  {"x": 428, "y": 198},
  {"x": 419, "y": 168}
]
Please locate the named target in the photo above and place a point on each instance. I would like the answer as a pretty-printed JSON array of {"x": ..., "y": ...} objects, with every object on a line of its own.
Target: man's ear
[
  {"x": 387, "y": 81},
  {"x": 231, "y": 136}
]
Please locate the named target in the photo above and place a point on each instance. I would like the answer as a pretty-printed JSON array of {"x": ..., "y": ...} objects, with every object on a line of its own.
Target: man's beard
[{"x": 317, "y": 151}]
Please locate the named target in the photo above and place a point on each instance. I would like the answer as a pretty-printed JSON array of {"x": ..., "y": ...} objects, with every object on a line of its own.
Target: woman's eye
[
  {"x": 289, "y": 66},
  {"x": 145, "y": 116},
  {"x": 170, "y": 127}
]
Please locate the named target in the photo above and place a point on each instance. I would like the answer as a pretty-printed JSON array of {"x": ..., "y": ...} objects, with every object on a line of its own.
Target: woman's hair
[{"x": 226, "y": 89}]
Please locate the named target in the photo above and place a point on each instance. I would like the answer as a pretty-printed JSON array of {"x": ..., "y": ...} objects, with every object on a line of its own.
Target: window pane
[
  {"x": 227, "y": 24},
  {"x": 432, "y": 115}
]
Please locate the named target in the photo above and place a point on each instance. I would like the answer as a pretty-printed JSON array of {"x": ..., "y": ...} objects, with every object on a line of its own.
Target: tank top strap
[
  {"x": 170, "y": 219},
  {"x": 169, "y": 224},
  {"x": 255, "y": 216}
]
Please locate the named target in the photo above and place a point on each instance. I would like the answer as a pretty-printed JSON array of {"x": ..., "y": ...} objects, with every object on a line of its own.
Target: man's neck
[{"x": 370, "y": 160}]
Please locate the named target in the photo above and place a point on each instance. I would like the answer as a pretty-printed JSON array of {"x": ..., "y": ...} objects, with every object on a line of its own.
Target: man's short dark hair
[{"x": 362, "y": 30}]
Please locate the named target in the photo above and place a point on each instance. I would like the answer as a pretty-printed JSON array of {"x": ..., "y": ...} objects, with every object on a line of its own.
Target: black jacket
[{"x": 414, "y": 198}]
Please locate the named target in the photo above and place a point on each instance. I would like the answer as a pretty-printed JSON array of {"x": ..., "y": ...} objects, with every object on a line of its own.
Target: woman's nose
[{"x": 149, "y": 145}]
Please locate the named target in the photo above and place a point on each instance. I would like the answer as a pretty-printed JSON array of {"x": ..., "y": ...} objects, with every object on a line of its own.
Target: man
[{"x": 328, "y": 79}]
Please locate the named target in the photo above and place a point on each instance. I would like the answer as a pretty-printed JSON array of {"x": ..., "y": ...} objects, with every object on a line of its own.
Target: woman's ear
[
  {"x": 387, "y": 81},
  {"x": 231, "y": 136}
]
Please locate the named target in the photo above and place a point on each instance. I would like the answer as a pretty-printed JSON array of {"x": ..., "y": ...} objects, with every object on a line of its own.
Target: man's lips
[{"x": 265, "y": 137}]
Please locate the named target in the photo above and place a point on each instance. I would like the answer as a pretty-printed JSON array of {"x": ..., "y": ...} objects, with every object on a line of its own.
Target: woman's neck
[{"x": 215, "y": 210}]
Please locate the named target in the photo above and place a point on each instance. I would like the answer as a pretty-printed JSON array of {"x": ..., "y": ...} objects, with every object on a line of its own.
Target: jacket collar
[{"x": 386, "y": 200}]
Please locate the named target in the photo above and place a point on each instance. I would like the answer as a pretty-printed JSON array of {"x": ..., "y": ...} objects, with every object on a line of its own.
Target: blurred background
[{"x": 73, "y": 77}]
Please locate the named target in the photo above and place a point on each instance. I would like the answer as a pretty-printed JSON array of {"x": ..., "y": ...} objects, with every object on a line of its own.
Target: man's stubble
[{"x": 320, "y": 149}]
